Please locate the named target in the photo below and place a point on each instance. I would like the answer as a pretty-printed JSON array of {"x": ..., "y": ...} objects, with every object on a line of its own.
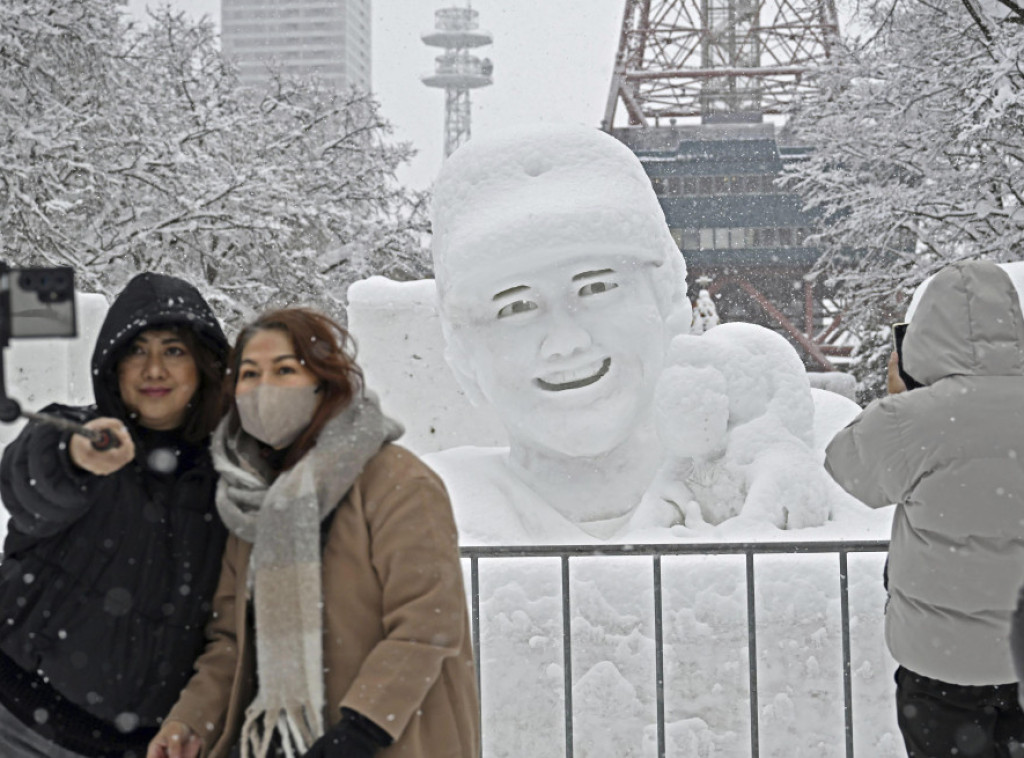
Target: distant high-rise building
[{"x": 329, "y": 38}]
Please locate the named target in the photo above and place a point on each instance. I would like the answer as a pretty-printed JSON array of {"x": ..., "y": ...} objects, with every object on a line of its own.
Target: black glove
[{"x": 355, "y": 736}]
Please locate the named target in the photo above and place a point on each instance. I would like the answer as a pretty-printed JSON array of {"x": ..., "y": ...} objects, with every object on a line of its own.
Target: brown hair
[{"x": 325, "y": 348}]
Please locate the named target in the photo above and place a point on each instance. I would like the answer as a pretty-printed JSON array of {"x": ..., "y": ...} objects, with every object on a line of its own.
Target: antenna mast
[{"x": 457, "y": 71}]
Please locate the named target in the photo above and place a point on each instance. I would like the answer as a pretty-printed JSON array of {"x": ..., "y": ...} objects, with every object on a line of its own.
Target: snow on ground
[{"x": 705, "y": 653}]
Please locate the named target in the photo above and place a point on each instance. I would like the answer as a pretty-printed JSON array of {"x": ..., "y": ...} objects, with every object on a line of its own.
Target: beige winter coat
[
  {"x": 951, "y": 455},
  {"x": 397, "y": 646}
]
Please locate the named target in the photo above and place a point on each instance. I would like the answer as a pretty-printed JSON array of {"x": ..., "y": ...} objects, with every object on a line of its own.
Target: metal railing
[{"x": 565, "y": 553}]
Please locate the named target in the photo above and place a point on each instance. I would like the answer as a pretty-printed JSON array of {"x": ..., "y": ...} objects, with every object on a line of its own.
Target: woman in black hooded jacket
[{"x": 111, "y": 557}]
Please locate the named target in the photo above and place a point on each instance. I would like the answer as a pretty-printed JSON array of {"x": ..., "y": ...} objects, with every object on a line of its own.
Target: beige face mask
[{"x": 276, "y": 416}]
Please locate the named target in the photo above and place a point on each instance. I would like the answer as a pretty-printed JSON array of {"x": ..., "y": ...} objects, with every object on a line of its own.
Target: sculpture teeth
[
  {"x": 568, "y": 380},
  {"x": 563, "y": 377}
]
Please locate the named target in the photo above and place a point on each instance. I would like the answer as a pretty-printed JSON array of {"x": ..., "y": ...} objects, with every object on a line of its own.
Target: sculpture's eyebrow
[
  {"x": 588, "y": 274},
  {"x": 510, "y": 291}
]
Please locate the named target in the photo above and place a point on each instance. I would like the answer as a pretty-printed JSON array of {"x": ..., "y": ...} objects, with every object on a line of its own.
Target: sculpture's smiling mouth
[{"x": 573, "y": 380}]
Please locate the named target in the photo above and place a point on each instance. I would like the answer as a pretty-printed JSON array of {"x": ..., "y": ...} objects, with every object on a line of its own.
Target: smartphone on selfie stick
[
  {"x": 898, "y": 332},
  {"x": 40, "y": 302}
]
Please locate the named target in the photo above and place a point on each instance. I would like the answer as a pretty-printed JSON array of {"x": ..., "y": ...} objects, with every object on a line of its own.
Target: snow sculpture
[
  {"x": 736, "y": 416},
  {"x": 705, "y": 314},
  {"x": 560, "y": 290}
]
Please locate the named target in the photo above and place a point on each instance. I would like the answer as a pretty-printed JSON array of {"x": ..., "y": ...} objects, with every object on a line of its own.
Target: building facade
[{"x": 326, "y": 38}]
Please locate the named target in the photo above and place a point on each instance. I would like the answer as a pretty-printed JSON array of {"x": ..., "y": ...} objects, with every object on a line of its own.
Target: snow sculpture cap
[{"x": 531, "y": 194}]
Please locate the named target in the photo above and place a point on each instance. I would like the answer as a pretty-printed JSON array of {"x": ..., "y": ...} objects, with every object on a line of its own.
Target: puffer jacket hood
[
  {"x": 968, "y": 323},
  {"x": 148, "y": 301}
]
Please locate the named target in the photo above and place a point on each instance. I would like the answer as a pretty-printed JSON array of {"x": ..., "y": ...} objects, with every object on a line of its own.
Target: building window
[
  {"x": 738, "y": 238},
  {"x": 747, "y": 184},
  {"x": 764, "y": 238}
]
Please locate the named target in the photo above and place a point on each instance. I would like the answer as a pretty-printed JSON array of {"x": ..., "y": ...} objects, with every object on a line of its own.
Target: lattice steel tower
[
  {"x": 696, "y": 80},
  {"x": 457, "y": 71},
  {"x": 717, "y": 59}
]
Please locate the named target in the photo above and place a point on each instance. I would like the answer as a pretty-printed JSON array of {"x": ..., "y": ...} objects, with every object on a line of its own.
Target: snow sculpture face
[
  {"x": 559, "y": 284},
  {"x": 567, "y": 353}
]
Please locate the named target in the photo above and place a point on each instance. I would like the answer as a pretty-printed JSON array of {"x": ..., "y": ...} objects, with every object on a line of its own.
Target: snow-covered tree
[
  {"x": 127, "y": 149},
  {"x": 919, "y": 150}
]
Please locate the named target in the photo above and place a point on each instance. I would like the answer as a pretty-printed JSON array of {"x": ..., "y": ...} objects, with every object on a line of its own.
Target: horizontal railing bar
[{"x": 672, "y": 548}]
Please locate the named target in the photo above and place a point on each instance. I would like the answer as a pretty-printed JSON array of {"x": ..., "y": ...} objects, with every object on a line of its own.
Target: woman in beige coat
[{"x": 339, "y": 626}]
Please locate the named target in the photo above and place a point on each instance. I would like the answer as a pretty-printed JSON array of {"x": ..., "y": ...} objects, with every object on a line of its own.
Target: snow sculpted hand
[
  {"x": 175, "y": 740},
  {"x": 693, "y": 410},
  {"x": 735, "y": 413},
  {"x": 692, "y": 415}
]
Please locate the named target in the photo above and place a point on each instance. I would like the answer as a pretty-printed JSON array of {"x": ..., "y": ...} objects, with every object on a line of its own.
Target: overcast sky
[{"x": 552, "y": 62}]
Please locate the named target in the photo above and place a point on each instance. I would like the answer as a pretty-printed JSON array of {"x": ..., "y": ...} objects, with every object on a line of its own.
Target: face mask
[{"x": 276, "y": 416}]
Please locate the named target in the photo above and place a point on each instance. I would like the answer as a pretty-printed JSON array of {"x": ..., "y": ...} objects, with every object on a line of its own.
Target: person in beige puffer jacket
[{"x": 950, "y": 454}]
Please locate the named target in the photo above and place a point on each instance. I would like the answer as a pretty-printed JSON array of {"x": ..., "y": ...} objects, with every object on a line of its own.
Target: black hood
[{"x": 148, "y": 301}]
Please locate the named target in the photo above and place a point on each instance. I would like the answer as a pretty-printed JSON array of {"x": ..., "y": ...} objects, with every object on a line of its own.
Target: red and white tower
[
  {"x": 716, "y": 58},
  {"x": 695, "y": 80}
]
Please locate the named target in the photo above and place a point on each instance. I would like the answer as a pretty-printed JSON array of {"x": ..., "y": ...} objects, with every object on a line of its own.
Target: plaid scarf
[{"x": 282, "y": 521}]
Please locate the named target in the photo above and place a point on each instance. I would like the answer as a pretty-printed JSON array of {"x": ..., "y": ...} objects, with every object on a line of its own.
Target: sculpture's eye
[
  {"x": 518, "y": 306},
  {"x": 596, "y": 288}
]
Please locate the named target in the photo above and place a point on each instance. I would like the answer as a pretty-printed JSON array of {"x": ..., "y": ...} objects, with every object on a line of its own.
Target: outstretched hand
[
  {"x": 175, "y": 740},
  {"x": 102, "y": 462}
]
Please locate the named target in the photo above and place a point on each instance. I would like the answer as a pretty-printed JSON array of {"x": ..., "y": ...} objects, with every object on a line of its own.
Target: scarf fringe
[{"x": 296, "y": 728}]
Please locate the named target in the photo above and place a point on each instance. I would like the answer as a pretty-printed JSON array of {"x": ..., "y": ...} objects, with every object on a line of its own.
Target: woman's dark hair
[
  {"x": 323, "y": 347},
  {"x": 207, "y": 404}
]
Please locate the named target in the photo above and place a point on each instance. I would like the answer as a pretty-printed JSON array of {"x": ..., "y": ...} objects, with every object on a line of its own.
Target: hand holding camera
[{"x": 894, "y": 382}]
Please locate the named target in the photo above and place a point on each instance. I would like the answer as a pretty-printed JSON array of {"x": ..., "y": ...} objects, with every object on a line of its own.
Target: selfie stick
[
  {"x": 101, "y": 439},
  {"x": 10, "y": 411}
]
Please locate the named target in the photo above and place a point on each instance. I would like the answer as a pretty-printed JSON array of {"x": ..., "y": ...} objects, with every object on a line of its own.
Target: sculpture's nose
[{"x": 565, "y": 335}]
